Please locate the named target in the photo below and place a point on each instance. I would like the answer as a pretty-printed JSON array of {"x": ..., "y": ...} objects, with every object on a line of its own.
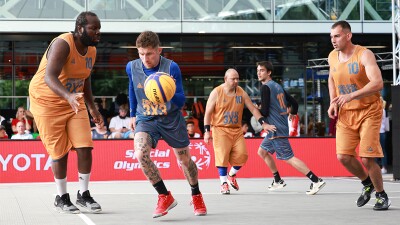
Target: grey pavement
[{"x": 133, "y": 202}]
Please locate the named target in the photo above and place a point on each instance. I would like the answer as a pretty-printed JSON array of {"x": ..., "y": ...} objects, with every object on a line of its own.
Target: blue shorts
[
  {"x": 172, "y": 128},
  {"x": 280, "y": 145}
]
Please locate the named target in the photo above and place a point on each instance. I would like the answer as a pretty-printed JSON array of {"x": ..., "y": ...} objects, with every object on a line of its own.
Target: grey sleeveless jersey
[
  {"x": 278, "y": 109},
  {"x": 147, "y": 110}
]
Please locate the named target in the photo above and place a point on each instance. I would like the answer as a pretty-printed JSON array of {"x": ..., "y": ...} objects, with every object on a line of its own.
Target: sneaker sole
[
  {"x": 320, "y": 187},
  {"x": 166, "y": 211},
  {"x": 273, "y": 189},
  {"x": 59, "y": 210},
  {"x": 87, "y": 209},
  {"x": 200, "y": 214}
]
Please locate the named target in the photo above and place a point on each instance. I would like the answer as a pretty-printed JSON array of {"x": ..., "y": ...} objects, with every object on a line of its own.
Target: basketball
[{"x": 159, "y": 87}]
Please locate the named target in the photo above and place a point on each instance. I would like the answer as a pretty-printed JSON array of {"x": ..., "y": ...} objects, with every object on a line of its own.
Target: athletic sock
[
  {"x": 312, "y": 177},
  {"x": 367, "y": 182},
  {"x": 61, "y": 185},
  {"x": 234, "y": 170},
  {"x": 223, "y": 174},
  {"x": 277, "y": 177},
  {"x": 160, "y": 188},
  {"x": 83, "y": 181},
  {"x": 195, "y": 189}
]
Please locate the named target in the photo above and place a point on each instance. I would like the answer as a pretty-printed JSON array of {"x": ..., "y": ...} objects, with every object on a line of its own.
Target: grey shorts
[
  {"x": 172, "y": 128},
  {"x": 280, "y": 146}
]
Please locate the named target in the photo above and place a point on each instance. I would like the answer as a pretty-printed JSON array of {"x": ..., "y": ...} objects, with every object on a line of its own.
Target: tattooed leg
[
  {"x": 188, "y": 166},
  {"x": 142, "y": 143}
]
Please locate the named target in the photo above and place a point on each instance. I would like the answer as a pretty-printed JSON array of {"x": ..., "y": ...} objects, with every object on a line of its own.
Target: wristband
[
  {"x": 262, "y": 120},
  {"x": 207, "y": 128}
]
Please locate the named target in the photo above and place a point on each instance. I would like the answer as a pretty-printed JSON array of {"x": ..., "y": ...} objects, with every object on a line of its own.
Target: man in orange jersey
[
  {"x": 58, "y": 93},
  {"x": 354, "y": 84},
  {"x": 224, "y": 113}
]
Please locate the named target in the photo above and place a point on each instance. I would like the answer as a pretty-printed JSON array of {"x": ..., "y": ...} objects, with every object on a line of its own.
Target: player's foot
[
  {"x": 276, "y": 185},
  {"x": 164, "y": 204},
  {"x": 382, "y": 202},
  {"x": 199, "y": 206},
  {"x": 315, "y": 187},
  {"x": 87, "y": 202},
  {"x": 233, "y": 182},
  {"x": 365, "y": 195},
  {"x": 63, "y": 204},
  {"x": 225, "y": 189}
]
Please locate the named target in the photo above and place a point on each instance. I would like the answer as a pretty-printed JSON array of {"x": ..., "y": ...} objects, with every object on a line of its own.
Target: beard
[{"x": 86, "y": 40}]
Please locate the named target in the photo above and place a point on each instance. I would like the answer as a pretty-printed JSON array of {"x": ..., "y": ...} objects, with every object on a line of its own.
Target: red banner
[{"x": 28, "y": 161}]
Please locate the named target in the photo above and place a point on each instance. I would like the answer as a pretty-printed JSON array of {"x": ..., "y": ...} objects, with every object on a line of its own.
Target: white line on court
[{"x": 86, "y": 219}]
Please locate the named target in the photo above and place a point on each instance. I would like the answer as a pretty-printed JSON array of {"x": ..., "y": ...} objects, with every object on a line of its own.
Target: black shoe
[
  {"x": 63, "y": 204},
  {"x": 86, "y": 201},
  {"x": 365, "y": 195},
  {"x": 382, "y": 202}
]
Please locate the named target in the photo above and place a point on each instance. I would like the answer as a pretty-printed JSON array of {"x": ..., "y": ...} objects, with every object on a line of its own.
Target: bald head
[{"x": 231, "y": 72}]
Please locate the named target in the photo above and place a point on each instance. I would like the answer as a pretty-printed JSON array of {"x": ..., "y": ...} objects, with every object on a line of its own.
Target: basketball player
[
  {"x": 274, "y": 103},
  {"x": 224, "y": 113},
  {"x": 152, "y": 121},
  {"x": 354, "y": 84},
  {"x": 58, "y": 93}
]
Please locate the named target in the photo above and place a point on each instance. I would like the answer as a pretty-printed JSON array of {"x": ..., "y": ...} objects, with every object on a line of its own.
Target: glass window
[{"x": 378, "y": 10}]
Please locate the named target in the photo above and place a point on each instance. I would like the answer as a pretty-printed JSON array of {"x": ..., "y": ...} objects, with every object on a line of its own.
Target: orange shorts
[
  {"x": 360, "y": 127},
  {"x": 62, "y": 133},
  {"x": 229, "y": 146}
]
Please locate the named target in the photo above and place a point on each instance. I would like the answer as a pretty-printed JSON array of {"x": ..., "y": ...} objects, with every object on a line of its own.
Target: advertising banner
[{"x": 28, "y": 161}]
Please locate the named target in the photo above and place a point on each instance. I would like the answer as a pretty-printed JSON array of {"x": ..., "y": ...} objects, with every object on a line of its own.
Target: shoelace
[
  {"x": 197, "y": 201},
  {"x": 161, "y": 199}
]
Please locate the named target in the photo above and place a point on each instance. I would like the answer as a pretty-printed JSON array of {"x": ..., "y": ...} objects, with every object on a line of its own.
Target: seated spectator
[
  {"x": 254, "y": 123},
  {"x": 100, "y": 132},
  {"x": 245, "y": 130},
  {"x": 294, "y": 124},
  {"x": 99, "y": 106},
  {"x": 119, "y": 124},
  {"x": 21, "y": 132},
  {"x": 3, "y": 133},
  {"x": 21, "y": 117},
  {"x": 121, "y": 99},
  {"x": 190, "y": 130}
]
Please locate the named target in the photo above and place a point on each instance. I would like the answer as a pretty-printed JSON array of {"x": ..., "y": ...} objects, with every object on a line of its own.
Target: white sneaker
[
  {"x": 276, "y": 185},
  {"x": 383, "y": 170},
  {"x": 315, "y": 187}
]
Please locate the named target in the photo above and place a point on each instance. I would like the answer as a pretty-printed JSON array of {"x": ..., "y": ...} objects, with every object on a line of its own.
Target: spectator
[
  {"x": 100, "y": 132},
  {"x": 104, "y": 112},
  {"x": 294, "y": 124},
  {"x": 21, "y": 134},
  {"x": 2, "y": 119},
  {"x": 21, "y": 117},
  {"x": 3, "y": 133},
  {"x": 119, "y": 124},
  {"x": 121, "y": 99},
  {"x": 190, "y": 130},
  {"x": 245, "y": 130},
  {"x": 385, "y": 127}
]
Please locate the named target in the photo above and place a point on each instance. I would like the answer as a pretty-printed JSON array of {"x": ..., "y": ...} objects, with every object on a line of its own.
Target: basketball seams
[{"x": 159, "y": 87}]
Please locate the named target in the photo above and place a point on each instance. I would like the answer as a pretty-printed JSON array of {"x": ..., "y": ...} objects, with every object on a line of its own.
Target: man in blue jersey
[
  {"x": 274, "y": 103},
  {"x": 152, "y": 121}
]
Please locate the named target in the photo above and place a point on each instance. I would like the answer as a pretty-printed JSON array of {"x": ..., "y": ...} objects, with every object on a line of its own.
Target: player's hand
[
  {"x": 207, "y": 137},
  {"x": 73, "y": 100},
  {"x": 97, "y": 117},
  {"x": 132, "y": 123},
  {"x": 333, "y": 110},
  {"x": 269, "y": 127},
  {"x": 342, "y": 99}
]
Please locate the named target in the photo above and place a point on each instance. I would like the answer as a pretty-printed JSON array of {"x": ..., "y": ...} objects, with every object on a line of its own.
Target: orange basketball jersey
[
  {"x": 350, "y": 76},
  {"x": 76, "y": 69},
  {"x": 228, "y": 110}
]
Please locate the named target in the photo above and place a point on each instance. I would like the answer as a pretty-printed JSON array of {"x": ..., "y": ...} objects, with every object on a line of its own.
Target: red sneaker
[
  {"x": 233, "y": 182},
  {"x": 164, "y": 204},
  {"x": 199, "y": 206}
]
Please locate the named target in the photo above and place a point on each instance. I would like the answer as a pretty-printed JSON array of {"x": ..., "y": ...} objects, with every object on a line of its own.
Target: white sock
[
  {"x": 61, "y": 185},
  {"x": 223, "y": 179},
  {"x": 83, "y": 182},
  {"x": 233, "y": 171}
]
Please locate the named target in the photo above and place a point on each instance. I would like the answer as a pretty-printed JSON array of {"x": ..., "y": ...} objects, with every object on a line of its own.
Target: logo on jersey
[
  {"x": 73, "y": 61},
  {"x": 200, "y": 155},
  {"x": 140, "y": 86}
]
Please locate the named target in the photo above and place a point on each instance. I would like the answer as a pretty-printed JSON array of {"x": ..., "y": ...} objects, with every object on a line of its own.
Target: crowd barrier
[{"x": 28, "y": 161}]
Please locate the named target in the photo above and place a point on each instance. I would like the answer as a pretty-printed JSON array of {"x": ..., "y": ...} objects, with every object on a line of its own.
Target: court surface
[{"x": 133, "y": 202}]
